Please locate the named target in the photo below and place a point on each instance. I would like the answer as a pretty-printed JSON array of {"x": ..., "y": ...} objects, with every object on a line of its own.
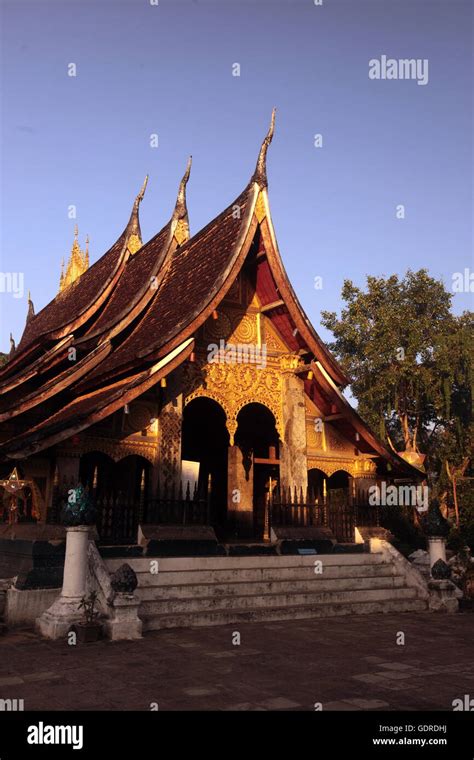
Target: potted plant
[{"x": 90, "y": 629}]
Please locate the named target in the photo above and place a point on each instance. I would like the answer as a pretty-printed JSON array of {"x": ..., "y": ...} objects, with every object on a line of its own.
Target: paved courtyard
[{"x": 344, "y": 663}]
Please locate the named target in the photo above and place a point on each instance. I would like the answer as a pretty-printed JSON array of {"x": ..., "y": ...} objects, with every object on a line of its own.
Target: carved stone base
[
  {"x": 57, "y": 620},
  {"x": 443, "y": 596},
  {"x": 124, "y": 623}
]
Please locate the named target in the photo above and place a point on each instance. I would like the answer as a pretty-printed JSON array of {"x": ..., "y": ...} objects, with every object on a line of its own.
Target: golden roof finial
[
  {"x": 260, "y": 173},
  {"x": 31, "y": 309},
  {"x": 77, "y": 264},
  {"x": 180, "y": 210},
  {"x": 143, "y": 188},
  {"x": 134, "y": 235},
  {"x": 12, "y": 347},
  {"x": 180, "y": 213},
  {"x": 87, "y": 251}
]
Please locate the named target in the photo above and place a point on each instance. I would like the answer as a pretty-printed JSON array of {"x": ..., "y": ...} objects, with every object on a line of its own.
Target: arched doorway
[
  {"x": 317, "y": 485},
  {"x": 205, "y": 441},
  {"x": 333, "y": 489},
  {"x": 258, "y": 439},
  {"x": 338, "y": 488},
  {"x": 119, "y": 490}
]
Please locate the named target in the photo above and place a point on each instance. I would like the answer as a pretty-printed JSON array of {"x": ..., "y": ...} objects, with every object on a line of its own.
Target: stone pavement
[{"x": 344, "y": 663}]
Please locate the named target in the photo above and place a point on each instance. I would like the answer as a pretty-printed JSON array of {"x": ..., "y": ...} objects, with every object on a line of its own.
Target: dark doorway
[
  {"x": 205, "y": 440},
  {"x": 317, "y": 484},
  {"x": 338, "y": 488},
  {"x": 257, "y": 435},
  {"x": 119, "y": 490}
]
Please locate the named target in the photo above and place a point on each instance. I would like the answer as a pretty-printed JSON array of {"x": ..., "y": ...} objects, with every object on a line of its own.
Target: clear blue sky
[{"x": 167, "y": 69}]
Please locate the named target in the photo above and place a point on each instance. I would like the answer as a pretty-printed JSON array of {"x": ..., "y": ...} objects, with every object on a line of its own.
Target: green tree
[{"x": 410, "y": 360}]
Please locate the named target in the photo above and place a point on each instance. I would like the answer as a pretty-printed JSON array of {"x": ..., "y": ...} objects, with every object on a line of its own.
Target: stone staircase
[{"x": 201, "y": 591}]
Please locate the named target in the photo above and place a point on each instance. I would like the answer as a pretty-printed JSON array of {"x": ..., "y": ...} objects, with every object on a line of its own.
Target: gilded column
[{"x": 170, "y": 423}]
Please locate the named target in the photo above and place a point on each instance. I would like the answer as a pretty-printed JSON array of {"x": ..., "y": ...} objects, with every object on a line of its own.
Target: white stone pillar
[
  {"x": 75, "y": 563},
  {"x": 437, "y": 549},
  {"x": 56, "y": 621}
]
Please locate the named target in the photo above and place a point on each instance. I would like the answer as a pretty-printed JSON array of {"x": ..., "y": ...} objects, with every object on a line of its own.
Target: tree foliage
[{"x": 410, "y": 360}]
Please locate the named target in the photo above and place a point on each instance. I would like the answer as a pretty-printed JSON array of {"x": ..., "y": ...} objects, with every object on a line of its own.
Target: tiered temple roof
[{"x": 131, "y": 318}]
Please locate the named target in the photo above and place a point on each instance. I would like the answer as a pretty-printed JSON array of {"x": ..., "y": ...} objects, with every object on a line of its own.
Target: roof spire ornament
[
  {"x": 87, "y": 251},
  {"x": 134, "y": 234},
  {"x": 260, "y": 174},
  {"x": 12, "y": 347},
  {"x": 77, "y": 264},
  {"x": 180, "y": 213},
  {"x": 61, "y": 276},
  {"x": 31, "y": 309}
]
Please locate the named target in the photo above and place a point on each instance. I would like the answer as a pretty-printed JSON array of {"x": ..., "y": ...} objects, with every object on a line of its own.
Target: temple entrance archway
[
  {"x": 205, "y": 440},
  {"x": 258, "y": 440},
  {"x": 330, "y": 489},
  {"x": 338, "y": 488},
  {"x": 317, "y": 485}
]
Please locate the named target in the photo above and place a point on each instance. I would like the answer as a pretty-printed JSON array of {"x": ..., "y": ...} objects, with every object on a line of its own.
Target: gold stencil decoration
[
  {"x": 365, "y": 468},
  {"x": 234, "y": 293},
  {"x": 260, "y": 210},
  {"x": 272, "y": 340},
  {"x": 134, "y": 244},
  {"x": 245, "y": 329},
  {"x": 314, "y": 438},
  {"x": 234, "y": 386},
  {"x": 356, "y": 467},
  {"x": 335, "y": 441},
  {"x": 118, "y": 450},
  {"x": 330, "y": 466},
  {"x": 181, "y": 232},
  {"x": 290, "y": 362},
  {"x": 215, "y": 329}
]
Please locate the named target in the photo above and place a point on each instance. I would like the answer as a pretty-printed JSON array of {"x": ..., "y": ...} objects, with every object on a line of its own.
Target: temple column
[
  {"x": 170, "y": 423},
  {"x": 240, "y": 492},
  {"x": 293, "y": 460}
]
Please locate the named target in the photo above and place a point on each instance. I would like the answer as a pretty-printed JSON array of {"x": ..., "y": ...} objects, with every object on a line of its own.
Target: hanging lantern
[
  {"x": 215, "y": 315},
  {"x": 310, "y": 374},
  {"x": 163, "y": 382},
  {"x": 192, "y": 357},
  {"x": 357, "y": 437}
]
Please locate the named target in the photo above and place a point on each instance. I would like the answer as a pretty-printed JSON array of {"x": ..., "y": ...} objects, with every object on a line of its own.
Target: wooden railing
[
  {"x": 118, "y": 516},
  {"x": 336, "y": 512},
  {"x": 179, "y": 508}
]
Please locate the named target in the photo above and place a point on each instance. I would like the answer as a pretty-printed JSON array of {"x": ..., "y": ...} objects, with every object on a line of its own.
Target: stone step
[
  {"x": 265, "y": 614},
  {"x": 243, "y": 588},
  {"x": 255, "y": 601},
  {"x": 298, "y": 572},
  {"x": 142, "y": 564}
]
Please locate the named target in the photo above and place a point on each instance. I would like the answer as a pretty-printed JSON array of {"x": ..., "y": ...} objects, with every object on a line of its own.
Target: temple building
[{"x": 181, "y": 382}]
